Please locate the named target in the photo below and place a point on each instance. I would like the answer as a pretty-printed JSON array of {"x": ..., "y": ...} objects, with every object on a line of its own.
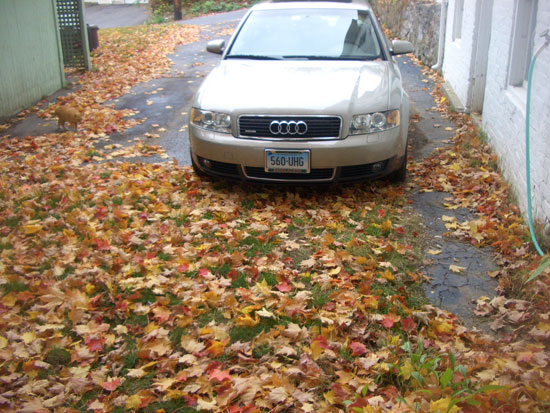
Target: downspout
[
  {"x": 442, "y": 31},
  {"x": 472, "y": 76}
]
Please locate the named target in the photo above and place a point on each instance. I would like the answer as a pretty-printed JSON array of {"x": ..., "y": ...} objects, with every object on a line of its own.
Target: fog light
[
  {"x": 207, "y": 163},
  {"x": 377, "y": 167}
]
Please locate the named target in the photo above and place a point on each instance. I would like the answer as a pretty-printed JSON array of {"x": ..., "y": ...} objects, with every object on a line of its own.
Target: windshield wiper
[
  {"x": 252, "y": 56},
  {"x": 315, "y": 57}
]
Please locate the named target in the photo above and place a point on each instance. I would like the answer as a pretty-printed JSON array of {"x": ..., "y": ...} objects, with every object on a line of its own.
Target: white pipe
[{"x": 442, "y": 30}]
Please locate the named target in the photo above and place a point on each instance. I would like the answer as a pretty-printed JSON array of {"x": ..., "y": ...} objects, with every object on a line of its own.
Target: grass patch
[
  {"x": 176, "y": 405},
  {"x": 131, "y": 385},
  {"x": 260, "y": 351},
  {"x": 210, "y": 315},
  {"x": 147, "y": 296},
  {"x": 130, "y": 361},
  {"x": 319, "y": 297},
  {"x": 175, "y": 337},
  {"x": 14, "y": 286},
  {"x": 240, "y": 282},
  {"x": 255, "y": 247},
  {"x": 270, "y": 278},
  {"x": 58, "y": 357},
  {"x": 248, "y": 333}
]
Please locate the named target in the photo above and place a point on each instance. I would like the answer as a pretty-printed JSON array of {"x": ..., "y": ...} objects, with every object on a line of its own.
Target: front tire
[{"x": 399, "y": 175}]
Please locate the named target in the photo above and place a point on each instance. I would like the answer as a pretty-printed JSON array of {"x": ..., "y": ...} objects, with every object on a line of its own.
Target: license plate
[{"x": 287, "y": 161}]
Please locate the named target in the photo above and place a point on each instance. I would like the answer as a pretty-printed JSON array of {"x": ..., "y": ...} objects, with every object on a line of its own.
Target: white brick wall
[
  {"x": 504, "y": 107},
  {"x": 504, "y": 110},
  {"x": 457, "y": 63}
]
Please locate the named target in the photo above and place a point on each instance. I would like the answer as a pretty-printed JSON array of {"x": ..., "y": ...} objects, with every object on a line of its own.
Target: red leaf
[
  {"x": 232, "y": 274},
  {"x": 96, "y": 298},
  {"x": 95, "y": 345},
  {"x": 339, "y": 391},
  {"x": 111, "y": 385},
  {"x": 220, "y": 375},
  {"x": 283, "y": 287},
  {"x": 390, "y": 320},
  {"x": 322, "y": 342},
  {"x": 102, "y": 244},
  {"x": 357, "y": 349},
  {"x": 408, "y": 324},
  {"x": 381, "y": 213},
  {"x": 182, "y": 267}
]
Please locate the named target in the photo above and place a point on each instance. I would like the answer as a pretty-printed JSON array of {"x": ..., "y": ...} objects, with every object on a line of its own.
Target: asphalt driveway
[{"x": 116, "y": 15}]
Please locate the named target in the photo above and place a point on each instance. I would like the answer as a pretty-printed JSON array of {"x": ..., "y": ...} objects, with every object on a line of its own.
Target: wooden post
[{"x": 177, "y": 10}]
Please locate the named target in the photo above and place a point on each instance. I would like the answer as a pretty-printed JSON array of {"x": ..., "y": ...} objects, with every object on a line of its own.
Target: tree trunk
[{"x": 177, "y": 10}]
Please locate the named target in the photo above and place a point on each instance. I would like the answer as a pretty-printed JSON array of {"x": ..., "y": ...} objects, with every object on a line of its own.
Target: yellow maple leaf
[
  {"x": 9, "y": 300},
  {"x": 316, "y": 350},
  {"x": 442, "y": 406},
  {"x": 455, "y": 166},
  {"x": 329, "y": 396},
  {"x": 387, "y": 275},
  {"x": 406, "y": 370},
  {"x": 387, "y": 225},
  {"x": 361, "y": 260},
  {"x": 32, "y": 228},
  {"x": 250, "y": 308},
  {"x": 247, "y": 321},
  {"x": 335, "y": 271},
  {"x": 133, "y": 402},
  {"x": 28, "y": 337},
  {"x": 474, "y": 232},
  {"x": 441, "y": 326},
  {"x": 371, "y": 302},
  {"x": 164, "y": 384},
  {"x": 216, "y": 348},
  {"x": 79, "y": 372}
]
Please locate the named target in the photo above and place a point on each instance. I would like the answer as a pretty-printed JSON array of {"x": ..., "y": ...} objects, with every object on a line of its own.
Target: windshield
[{"x": 307, "y": 34}]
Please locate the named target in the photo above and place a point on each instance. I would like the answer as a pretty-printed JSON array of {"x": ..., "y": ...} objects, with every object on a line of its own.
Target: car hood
[{"x": 296, "y": 87}]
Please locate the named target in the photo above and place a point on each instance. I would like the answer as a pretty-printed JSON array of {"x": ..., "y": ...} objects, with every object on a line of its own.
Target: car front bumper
[{"x": 357, "y": 157}]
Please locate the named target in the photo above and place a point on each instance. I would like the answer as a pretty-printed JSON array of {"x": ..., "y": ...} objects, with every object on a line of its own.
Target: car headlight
[
  {"x": 216, "y": 121},
  {"x": 374, "y": 122}
]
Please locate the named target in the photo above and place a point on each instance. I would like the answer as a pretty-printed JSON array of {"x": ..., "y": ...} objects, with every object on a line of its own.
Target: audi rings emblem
[{"x": 288, "y": 128}]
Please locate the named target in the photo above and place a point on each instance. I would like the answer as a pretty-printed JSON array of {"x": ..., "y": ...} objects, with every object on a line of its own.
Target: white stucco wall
[
  {"x": 457, "y": 63},
  {"x": 504, "y": 110}
]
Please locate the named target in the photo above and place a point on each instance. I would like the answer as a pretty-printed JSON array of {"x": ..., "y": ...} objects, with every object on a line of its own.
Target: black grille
[
  {"x": 361, "y": 171},
  {"x": 317, "y": 126},
  {"x": 221, "y": 168},
  {"x": 315, "y": 174}
]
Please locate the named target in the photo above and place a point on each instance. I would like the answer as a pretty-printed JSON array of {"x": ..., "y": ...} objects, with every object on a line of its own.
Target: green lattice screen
[{"x": 71, "y": 29}]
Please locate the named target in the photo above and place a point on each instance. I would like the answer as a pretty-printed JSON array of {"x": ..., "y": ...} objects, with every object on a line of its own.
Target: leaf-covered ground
[{"x": 131, "y": 286}]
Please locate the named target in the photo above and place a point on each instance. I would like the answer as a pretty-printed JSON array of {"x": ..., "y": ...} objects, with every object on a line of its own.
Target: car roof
[{"x": 315, "y": 4}]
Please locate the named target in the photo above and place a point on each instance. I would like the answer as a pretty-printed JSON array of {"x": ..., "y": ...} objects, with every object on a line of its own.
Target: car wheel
[{"x": 400, "y": 174}]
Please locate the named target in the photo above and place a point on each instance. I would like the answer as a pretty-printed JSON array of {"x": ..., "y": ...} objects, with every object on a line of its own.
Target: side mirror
[
  {"x": 216, "y": 46},
  {"x": 401, "y": 47}
]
